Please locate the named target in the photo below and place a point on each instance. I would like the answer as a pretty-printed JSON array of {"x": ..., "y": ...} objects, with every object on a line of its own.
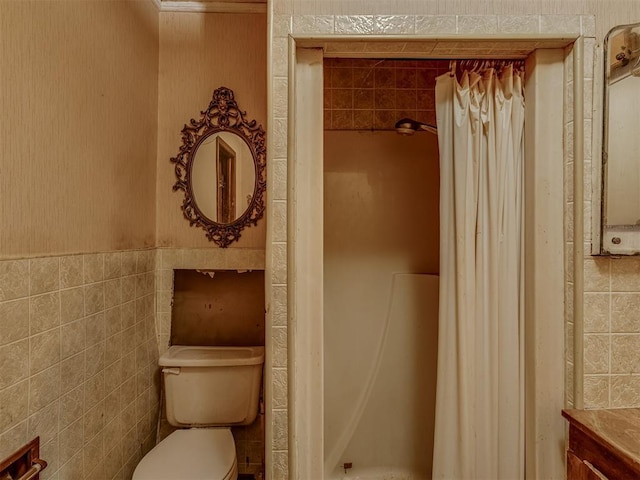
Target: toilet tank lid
[{"x": 198, "y": 356}]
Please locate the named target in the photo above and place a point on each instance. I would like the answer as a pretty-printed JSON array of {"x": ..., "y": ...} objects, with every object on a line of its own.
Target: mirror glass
[
  {"x": 621, "y": 141},
  {"x": 223, "y": 177}
]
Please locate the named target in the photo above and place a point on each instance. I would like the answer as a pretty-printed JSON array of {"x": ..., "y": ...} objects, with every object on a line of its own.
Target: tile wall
[
  {"x": 78, "y": 356},
  {"x": 612, "y": 332},
  {"x": 375, "y": 93}
]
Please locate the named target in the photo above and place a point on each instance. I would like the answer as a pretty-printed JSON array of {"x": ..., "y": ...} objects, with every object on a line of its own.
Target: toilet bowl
[
  {"x": 194, "y": 454},
  {"x": 207, "y": 390}
]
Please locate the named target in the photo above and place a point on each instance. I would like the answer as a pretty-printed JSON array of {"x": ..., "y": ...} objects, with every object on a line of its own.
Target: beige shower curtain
[{"x": 479, "y": 430}]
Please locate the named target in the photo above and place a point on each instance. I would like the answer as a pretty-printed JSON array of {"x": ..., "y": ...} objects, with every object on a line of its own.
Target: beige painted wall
[
  {"x": 199, "y": 53},
  {"x": 78, "y": 96}
]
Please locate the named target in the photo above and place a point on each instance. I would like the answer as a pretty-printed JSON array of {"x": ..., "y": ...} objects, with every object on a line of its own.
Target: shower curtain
[{"x": 479, "y": 430}]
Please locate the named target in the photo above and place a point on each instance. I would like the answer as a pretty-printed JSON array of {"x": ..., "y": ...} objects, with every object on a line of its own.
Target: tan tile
[
  {"x": 128, "y": 315},
  {"x": 280, "y": 440},
  {"x": 71, "y": 271},
  {"x": 170, "y": 257},
  {"x": 625, "y": 354},
  {"x": 96, "y": 331},
  {"x": 112, "y": 265},
  {"x": 71, "y": 304},
  {"x": 13, "y": 439},
  {"x": 112, "y": 293},
  {"x": 625, "y": 274},
  {"x": 14, "y": 363},
  {"x": 93, "y": 267},
  {"x": 596, "y": 353},
  {"x": 44, "y": 388},
  {"x": 94, "y": 421},
  {"x": 596, "y": 312},
  {"x": 13, "y": 405},
  {"x": 71, "y": 440},
  {"x": 73, "y": 338},
  {"x": 145, "y": 261},
  {"x": 44, "y": 275},
  {"x": 279, "y": 388},
  {"x": 45, "y": 350},
  {"x": 112, "y": 436},
  {"x": 93, "y": 391},
  {"x": 14, "y": 279},
  {"x": 94, "y": 455},
  {"x": 113, "y": 349},
  {"x": 559, "y": 24},
  {"x": 625, "y": 391},
  {"x": 44, "y": 312},
  {"x": 73, "y": 468},
  {"x": 93, "y": 298},
  {"x": 518, "y": 23},
  {"x": 625, "y": 313},
  {"x": 279, "y": 306},
  {"x": 477, "y": 24},
  {"x": 165, "y": 280},
  {"x": 44, "y": 423},
  {"x": 72, "y": 372},
  {"x": 94, "y": 360},
  {"x": 435, "y": 24},
  {"x": 71, "y": 407},
  {"x": 128, "y": 396},
  {"x": 128, "y": 265},
  {"x": 113, "y": 321},
  {"x": 50, "y": 451},
  {"x": 596, "y": 275},
  {"x": 279, "y": 346},
  {"x": 14, "y": 320},
  {"x": 596, "y": 392},
  {"x": 130, "y": 442},
  {"x": 113, "y": 376}
]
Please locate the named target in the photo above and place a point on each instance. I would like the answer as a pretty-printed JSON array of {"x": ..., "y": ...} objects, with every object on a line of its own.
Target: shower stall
[
  {"x": 347, "y": 346},
  {"x": 381, "y": 249}
]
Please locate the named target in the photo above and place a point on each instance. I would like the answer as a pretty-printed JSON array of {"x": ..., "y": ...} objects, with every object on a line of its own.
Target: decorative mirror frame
[{"x": 222, "y": 115}]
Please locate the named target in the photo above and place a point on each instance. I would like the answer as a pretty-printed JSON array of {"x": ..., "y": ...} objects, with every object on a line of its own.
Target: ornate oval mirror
[{"x": 221, "y": 169}]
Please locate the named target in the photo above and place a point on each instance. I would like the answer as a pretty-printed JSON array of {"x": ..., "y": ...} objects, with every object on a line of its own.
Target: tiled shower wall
[
  {"x": 375, "y": 93},
  {"x": 78, "y": 361}
]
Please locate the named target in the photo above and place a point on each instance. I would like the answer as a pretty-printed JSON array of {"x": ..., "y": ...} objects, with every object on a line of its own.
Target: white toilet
[{"x": 207, "y": 390}]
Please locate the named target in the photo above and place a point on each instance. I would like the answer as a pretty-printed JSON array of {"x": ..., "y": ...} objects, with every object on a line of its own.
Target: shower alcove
[{"x": 544, "y": 238}]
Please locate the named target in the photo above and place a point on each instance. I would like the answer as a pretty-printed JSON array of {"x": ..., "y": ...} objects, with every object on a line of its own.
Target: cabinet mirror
[{"x": 621, "y": 142}]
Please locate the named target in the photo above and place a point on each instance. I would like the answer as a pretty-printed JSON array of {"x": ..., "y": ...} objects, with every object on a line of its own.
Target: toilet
[{"x": 207, "y": 390}]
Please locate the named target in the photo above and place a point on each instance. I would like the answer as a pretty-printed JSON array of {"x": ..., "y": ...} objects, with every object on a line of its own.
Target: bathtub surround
[{"x": 78, "y": 356}]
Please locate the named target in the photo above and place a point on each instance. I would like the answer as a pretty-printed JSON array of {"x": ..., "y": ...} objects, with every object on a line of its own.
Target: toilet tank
[{"x": 211, "y": 386}]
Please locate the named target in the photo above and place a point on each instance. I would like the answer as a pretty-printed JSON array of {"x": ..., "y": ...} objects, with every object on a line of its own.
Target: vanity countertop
[{"x": 615, "y": 430}]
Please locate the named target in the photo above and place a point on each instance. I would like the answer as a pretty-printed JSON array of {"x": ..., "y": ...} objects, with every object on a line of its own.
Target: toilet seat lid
[{"x": 194, "y": 454}]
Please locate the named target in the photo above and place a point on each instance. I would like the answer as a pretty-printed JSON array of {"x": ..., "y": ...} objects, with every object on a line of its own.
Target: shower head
[{"x": 407, "y": 126}]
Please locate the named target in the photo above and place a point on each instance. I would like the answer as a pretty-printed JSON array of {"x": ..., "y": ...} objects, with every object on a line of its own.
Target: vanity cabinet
[{"x": 603, "y": 444}]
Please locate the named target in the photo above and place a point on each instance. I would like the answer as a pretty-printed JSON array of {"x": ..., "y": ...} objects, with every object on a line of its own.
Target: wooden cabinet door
[{"x": 579, "y": 470}]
